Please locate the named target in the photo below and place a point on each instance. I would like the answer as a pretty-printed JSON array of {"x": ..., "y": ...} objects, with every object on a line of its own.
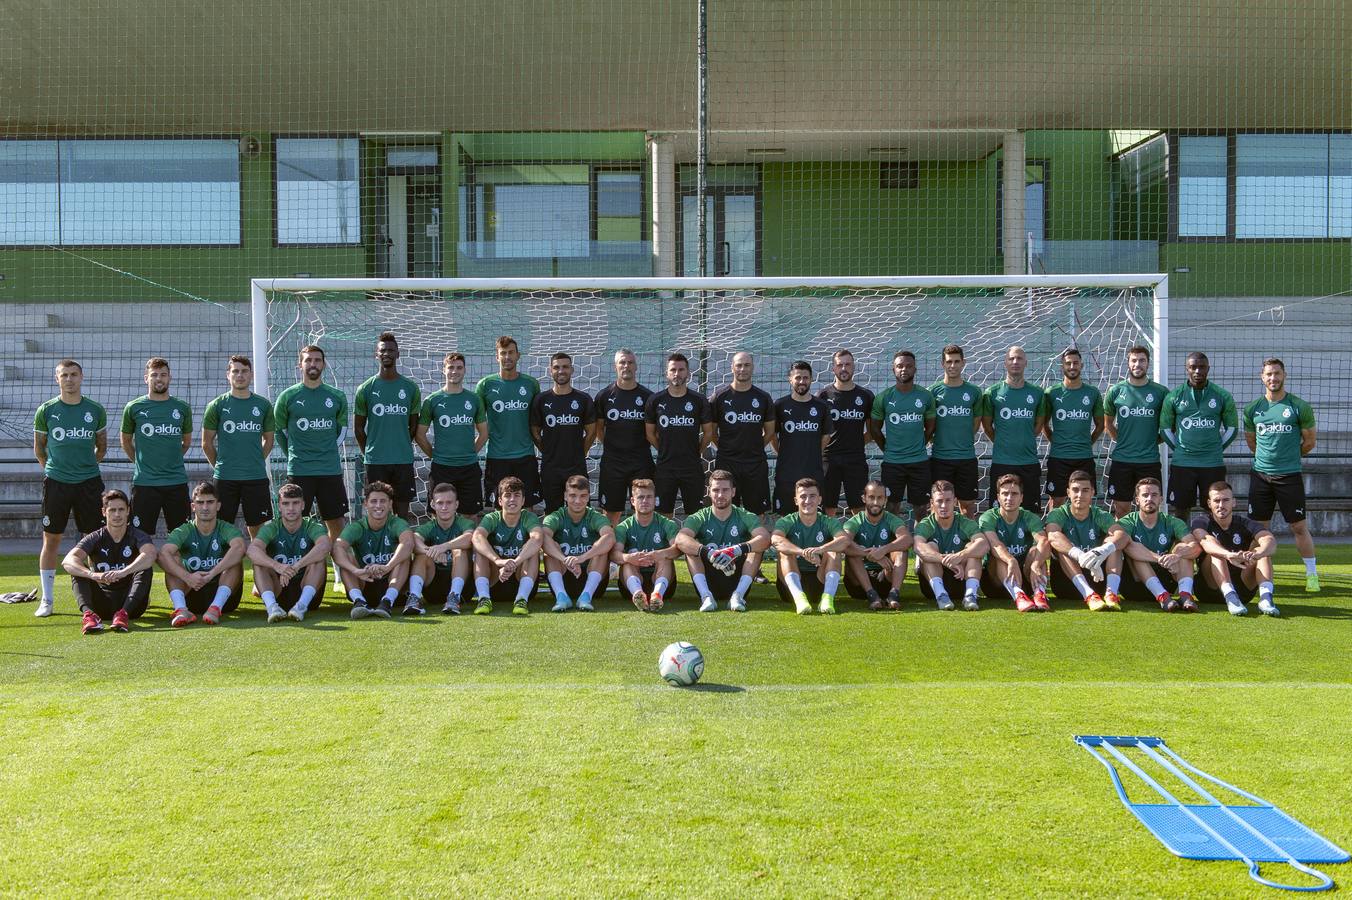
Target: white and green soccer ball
[{"x": 681, "y": 664}]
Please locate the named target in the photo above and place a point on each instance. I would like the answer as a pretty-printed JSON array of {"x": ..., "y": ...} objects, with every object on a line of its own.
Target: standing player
[
  {"x": 1018, "y": 548},
  {"x": 1238, "y": 555},
  {"x": 625, "y": 451},
  {"x": 373, "y": 553},
  {"x": 1087, "y": 544},
  {"x": 1013, "y": 416},
  {"x": 1161, "y": 552},
  {"x": 875, "y": 558},
  {"x": 949, "y": 548},
  {"x": 506, "y": 399},
  {"x": 958, "y": 408},
  {"x": 1132, "y": 410},
  {"x": 743, "y": 417},
  {"x": 385, "y": 418},
  {"x": 645, "y": 550},
  {"x": 70, "y": 437},
  {"x": 441, "y": 560},
  {"x": 714, "y": 538},
  {"x": 846, "y": 464},
  {"x": 902, "y": 423},
  {"x": 288, "y": 556},
  {"x": 203, "y": 561},
  {"x": 802, "y": 429},
  {"x": 156, "y": 433},
  {"x": 563, "y": 426},
  {"x": 507, "y": 552},
  {"x": 237, "y": 433},
  {"x": 111, "y": 569},
  {"x": 1198, "y": 421},
  {"x": 1279, "y": 429},
  {"x": 677, "y": 423},
  {"x": 807, "y": 543},
  {"x": 459, "y": 431},
  {"x": 577, "y": 542},
  {"x": 1074, "y": 417}
]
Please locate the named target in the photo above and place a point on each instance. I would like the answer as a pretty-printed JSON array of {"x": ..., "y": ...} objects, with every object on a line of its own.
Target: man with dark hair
[
  {"x": 1238, "y": 555},
  {"x": 902, "y": 423},
  {"x": 808, "y": 543},
  {"x": 645, "y": 550},
  {"x": 846, "y": 464},
  {"x": 563, "y": 426},
  {"x": 1132, "y": 411},
  {"x": 958, "y": 408},
  {"x": 288, "y": 556},
  {"x": 1017, "y": 563},
  {"x": 507, "y": 552},
  {"x": 373, "y": 554},
  {"x": 386, "y": 411},
  {"x": 459, "y": 431},
  {"x": 1198, "y": 421},
  {"x": 203, "y": 561},
  {"x": 506, "y": 398},
  {"x": 441, "y": 563},
  {"x": 1160, "y": 553},
  {"x": 950, "y": 548},
  {"x": 875, "y": 558},
  {"x": 156, "y": 433},
  {"x": 620, "y": 428},
  {"x": 677, "y": 423},
  {"x": 577, "y": 542},
  {"x": 743, "y": 417},
  {"x": 70, "y": 438},
  {"x": 1073, "y": 412},
  {"x": 1087, "y": 544},
  {"x": 714, "y": 538},
  {"x": 111, "y": 569},
  {"x": 1013, "y": 416},
  {"x": 237, "y": 433},
  {"x": 803, "y": 427}
]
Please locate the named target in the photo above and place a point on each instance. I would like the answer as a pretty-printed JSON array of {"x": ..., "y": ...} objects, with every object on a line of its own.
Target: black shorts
[
  {"x": 1205, "y": 592},
  {"x": 810, "y": 579},
  {"x": 751, "y": 484},
  {"x": 1030, "y": 475},
  {"x": 910, "y": 481},
  {"x": 1059, "y": 472},
  {"x": 994, "y": 587},
  {"x": 254, "y": 496},
  {"x": 131, "y": 593},
  {"x": 649, "y": 577},
  {"x": 876, "y": 581},
  {"x": 688, "y": 485},
  {"x": 398, "y": 476},
  {"x": 374, "y": 591},
  {"x": 720, "y": 586},
  {"x": 505, "y": 591},
  {"x": 289, "y": 596},
  {"x": 200, "y": 599},
  {"x": 1285, "y": 492},
  {"x": 614, "y": 478},
  {"x": 552, "y": 482},
  {"x": 1122, "y": 478},
  {"x": 468, "y": 482},
  {"x": 1062, "y": 588},
  {"x": 962, "y": 472},
  {"x": 329, "y": 490},
  {"x": 61, "y": 498},
  {"x": 784, "y": 502},
  {"x": 439, "y": 588},
  {"x": 1136, "y": 590},
  {"x": 147, "y": 502},
  {"x": 573, "y": 584},
  {"x": 1188, "y": 485},
  {"x": 524, "y": 467},
  {"x": 851, "y": 475},
  {"x": 955, "y": 586}
]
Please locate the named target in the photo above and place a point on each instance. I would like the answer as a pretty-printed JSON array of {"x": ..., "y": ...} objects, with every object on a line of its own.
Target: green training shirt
[
  {"x": 1013, "y": 412},
  {"x": 576, "y": 538},
  {"x": 201, "y": 552},
  {"x": 373, "y": 546},
  {"x": 709, "y": 529},
  {"x": 804, "y": 535},
  {"x": 308, "y": 423},
  {"x": 507, "y": 408},
  {"x": 71, "y": 430},
  {"x": 950, "y": 539},
  {"x": 1136, "y": 415},
  {"x": 1159, "y": 539},
  {"x": 507, "y": 540},
  {"x": 903, "y": 415},
  {"x": 956, "y": 409},
  {"x": 389, "y": 407},
  {"x": 873, "y": 534},
  {"x": 289, "y": 547},
  {"x": 633, "y": 537},
  {"x": 433, "y": 534},
  {"x": 239, "y": 425},
  {"x": 1199, "y": 425},
  {"x": 1017, "y": 536},
  {"x": 1085, "y": 534},
  {"x": 1072, "y": 414},
  {"x": 452, "y": 419},
  {"x": 1276, "y": 429},
  {"x": 157, "y": 427}
]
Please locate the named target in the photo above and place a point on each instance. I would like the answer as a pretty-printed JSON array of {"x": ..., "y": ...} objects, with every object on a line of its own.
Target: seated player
[
  {"x": 645, "y": 550},
  {"x": 112, "y": 568},
  {"x": 441, "y": 555},
  {"x": 373, "y": 554},
  {"x": 1161, "y": 553},
  {"x": 1018, "y": 549},
  {"x": 203, "y": 562},
  {"x": 713, "y": 538},
  {"x": 577, "y": 542},
  {"x": 1087, "y": 544},
  {"x": 875, "y": 557},
  {"x": 507, "y": 552},
  {"x": 808, "y": 543},
  {"x": 1237, "y": 556},
  {"x": 948, "y": 550},
  {"x": 289, "y": 557}
]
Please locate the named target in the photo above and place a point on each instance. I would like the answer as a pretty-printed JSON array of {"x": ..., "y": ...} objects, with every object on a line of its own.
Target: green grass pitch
[{"x": 869, "y": 754}]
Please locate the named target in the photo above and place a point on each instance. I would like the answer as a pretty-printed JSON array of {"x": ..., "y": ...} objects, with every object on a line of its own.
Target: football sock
[
  {"x": 634, "y": 583},
  {"x": 391, "y": 595},
  {"x": 307, "y": 594},
  {"x": 872, "y": 595},
  {"x": 1082, "y": 585},
  {"x": 481, "y": 587},
  {"x": 523, "y": 591},
  {"x": 1012, "y": 588},
  {"x": 1309, "y": 565},
  {"x": 660, "y": 586},
  {"x": 1228, "y": 589},
  {"x": 457, "y": 587},
  {"x": 973, "y": 587},
  {"x": 1185, "y": 584},
  {"x": 176, "y": 597},
  {"x": 415, "y": 585},
  {"x": 937, "y": 585},
  {"x": 48, "y": 578},
  {"x": 1114, "y": 582},
  {"x": 795, "y": 584},
  {"x": 269, "y": 600},
  {"x": 1155, "y": 586},
  {"x": 831, "y": 583},
  {"x": 557, "y": 586},
  {"x": 1265, "y": 590},
  {"x": 701, "y": 585},
  {"x": 355, "y": 595},
  {"x": 743, "y": 585},
  {"x": 593, "y": 582}
]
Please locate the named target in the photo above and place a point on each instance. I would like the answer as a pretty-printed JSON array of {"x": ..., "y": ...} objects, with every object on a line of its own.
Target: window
[
  {"x": 619, "y": 210},
  {"x": 318, "y": 195},
  {"x": 29, "y": 197},
  {"x": 1201, "y": 187},
  {"x": 1034, "y": 206},
  {"x": 899, "y": 174}
]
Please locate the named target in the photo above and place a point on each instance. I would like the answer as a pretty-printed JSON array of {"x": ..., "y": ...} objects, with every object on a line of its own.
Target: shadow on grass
[
  {"x": 713, "y": 687},
  {"x": 37, "y": 655},
  {"x": 1296, "y": 610}
]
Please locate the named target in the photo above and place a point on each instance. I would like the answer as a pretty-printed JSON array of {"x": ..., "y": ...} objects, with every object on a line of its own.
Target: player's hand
[
  {"x": 508, "y": 569},
  {"x": 114, "y": 575},
  {"x": 876, "y": 554},
  {"x": 1168, "y": 560},
  {"x": 885, "y": 566},
  {"x": 958, "y": 570},
  {"x": 440, "y": 555},
  {"x": 196, "y": 580}
]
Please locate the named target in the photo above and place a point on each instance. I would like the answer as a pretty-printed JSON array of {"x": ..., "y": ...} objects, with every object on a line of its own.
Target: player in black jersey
[
  {"x": 1237, "y": 555},
  {"x": 563, "y": 426},
  {"x": 112, "y": 569},
  {"x": 743, "y": 416},
  {"x": 802, "y": 428},
  {"x": 625, "y": 451},
  {"x": 846, "y": 464},
  {"x": 676, "y": 421}
]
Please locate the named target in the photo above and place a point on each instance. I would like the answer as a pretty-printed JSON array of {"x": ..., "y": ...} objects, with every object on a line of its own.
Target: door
[
  {"x": 730, "y": 232},
  {"x": 413, "y": 226}
]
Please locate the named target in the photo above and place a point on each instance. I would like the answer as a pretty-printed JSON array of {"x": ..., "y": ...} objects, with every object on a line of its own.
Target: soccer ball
[{"x": 681, "y": 664}]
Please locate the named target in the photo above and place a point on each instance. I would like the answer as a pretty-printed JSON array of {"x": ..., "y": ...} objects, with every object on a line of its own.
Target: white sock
[
  {"x": 593, "y": 582},
  {"x": 937, "y": 585},
  {"x": 1228, "y": 589},
  {"x": 557, "y": 586},
  {"x": 481, "y": 587},
  {"x": 1012, "y": 588},
  {"x": 457, "y": 587},
  {"x": 701, "y": 585},
  {"x": 1265, "y": 590},
  {"x": 1082, "y": 585},
  {"x": 176, "y": 597},
  {"x": 415, "y": 585},
  {"x": 831, "y": 583},
  {"x": 356, "y": 595},
  {"x": 307, "y": 594},
  {"x": 1185, "y": 584},
  {"x": 1309, "y": 564},
  {"x": 660, "y": 586},
  {"x": 222, "y": 595},
  {"x": 1114, "y": 582},
  {"x": 48, "y": 578},
  {"x": 634, "y": 583},
  {"x": 523, "y": 591},
  {"x": 973, "y": 587},
  {"x": 743, "y": 586},
  {"x": 1154, "y": 586},
  {"x": 269, "y": 600},
  {"x": 391, "y": 595},
  {"x": 795, "y": 584}
]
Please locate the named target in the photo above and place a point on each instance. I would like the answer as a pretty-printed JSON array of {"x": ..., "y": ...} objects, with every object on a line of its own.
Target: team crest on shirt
[
  {"x": 955, "y": 540},
  {"x": 858, "y": 401},
  {"x": 1286, "y": 413},
  {"x": 328, "y": 403},
  {"x": 303, "y": 543},
  {"x": 1163, "y": 540},
  {"x": 89, "y": 417},
  {"x": 919, "y": 404},
  {"x": 256, "y": 412},
  {"x": 403, "y": 395},
  {"x": 584, "y": 531},
  {"x": 1236, "y": 540},
  {"x": 215, "y": 545},
  {"x": 126, "y": 551},
  {"x": 688, "y": 407},
  {"x": 1212, "y": 403},
  {"x": 1093, "y": 536},
  {"x": 657, "y": 539},
  {"x": 574, "y": 404},
  {"x": 733, "y": 531},
  {"x": 812, "y": 411},
  {"x": 522, "y": 390},
  {"x": 176, "y": 414},
  {"x": 1085, "y": 400},
  {"x": 820, "y": 537},
  {"x": 1021, "y": 531},
  {"x": 1149, "y": 398},
  {"x": 755, "y": 404},
  {"x": 966, "y": 397},
  {"x": 468, "y": 406},
  {"x": 1029, "y": 398},
  {"x": 882, "y": 534}
]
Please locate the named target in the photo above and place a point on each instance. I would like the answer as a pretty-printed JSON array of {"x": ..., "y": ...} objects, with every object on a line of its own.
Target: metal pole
[
  {"x": 701, "y": 186},
  {"x": 258, "y": 312}
]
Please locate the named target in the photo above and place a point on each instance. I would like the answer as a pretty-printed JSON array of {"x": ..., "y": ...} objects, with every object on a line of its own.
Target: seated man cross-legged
[
  {"x": 203, "y": 562},
  {"x": 507, "y": 552},
  {"x": 714, "y": 538},
  {"x": 1087, "y": 547},
  {"x": 1161, "y": 553},
  {"x": 111, "y": 569},
  {"x": 373, "y": 554},
  {"x": 875, "y": 557},
  {"x": 949, "y": 549},
  {"x": 645, "y": 549},
  {"x": 289, "y": 558},
  {"x": 1238, "y": 555},
  {"x": 1017, "y": 563},
  {"x": 577, "y": 542},
  {"x": 441, "y": 555},
  {"x": 808, "y": 543}
]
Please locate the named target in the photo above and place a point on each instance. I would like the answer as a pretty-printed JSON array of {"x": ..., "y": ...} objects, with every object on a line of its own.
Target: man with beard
[
  {"x": 802, "y": 429},
  {"x": 111, "y": 569},
  {"x": 714, "y": 538},
  {"x": 902, "y": 423},
  {"x": 1132, "y": 411},
  {"x": 1013, "y": 416},
  {"x": 1017, "y": 563},
  {"x": 846, "y": 464},
  {"x": 676, "y": 421},
  {"x": 202, "y": 561},
  {"x": 506, "y": 398},
  {"x": 288, "y": 556},
  {"x": 563, "y": 426},
  {"x": 875, "y": 558},
  {"x": 1161, "y": 553},
  {"x": 1198, "y": 421},
  {"x": 386, "y": 411},
  {"x": 1238, "y": 558},
  {"x": 459, "y": 431},
  {"x": 1074, "y": 416},
  {"x": 625, "y": 451}
]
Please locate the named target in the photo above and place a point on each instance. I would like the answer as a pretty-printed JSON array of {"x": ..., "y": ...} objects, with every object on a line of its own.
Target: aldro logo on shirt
[
  {"x": 466, "y": 418},
  {"x": 1127, "y": 412},
  {"x": 562, "y": 420},
  {"x": 1191, "y": 422},
  {"x": 1018, "y": 412},
  {"x": 172, "y": 429},
  {"x": 790, "y": 426},
  {"x": 245, "y": 426},
  {"x": 72, "y": 434},
  {"x": 678, "y": 421},
  {"x": 732, "y": 417},
  {"x": 201, "y": 563},
  {"x": 1266, "y": 428},
  {"x": 1071, "y": 414},
  {"x": 379, "y": 559},
  {"x": 389, "y": 409},
  {"x": 906, "y": 418},
  {"x": 318, "y": 423},
  {"x": 856, "y": 413}
]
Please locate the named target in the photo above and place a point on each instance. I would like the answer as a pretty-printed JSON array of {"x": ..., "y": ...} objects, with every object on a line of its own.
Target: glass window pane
[
  {"x": 619, "y": 194},
  {"x": 532, "y": 173},
  {"x": 1201, "y": 186},
  {"x": 1281, "y": 185},
  {"x": 318, "y": 194},
  {"x": 28, "y": 193},
  {"x": 411, "y": 156},
  {"x": 1340, "y": 185},
  {"x": 541, "y": 220},
  {"x": 149, "y": 192}
]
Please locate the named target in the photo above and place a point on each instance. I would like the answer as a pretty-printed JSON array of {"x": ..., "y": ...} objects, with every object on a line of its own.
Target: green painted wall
[{"x": 1258, "y": 269}]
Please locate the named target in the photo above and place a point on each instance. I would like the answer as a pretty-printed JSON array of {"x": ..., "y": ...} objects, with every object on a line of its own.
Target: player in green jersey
[
  {"x": 1017, "y": 563},
  {"x": 577, "y": 542},
  {"x": 288, "y": 556},
  {"x": 1198, "y": 421},
  {"x": 507, "y": 551},
  {"x": 1073, "y": 412},
  {"x": 949, "y": 549},
  {"x": 875, "y": 557},
  {"x": 1013, "y": 416},
  {"x": 442, "y": 560},
  {"x": 1160, "y": 553},
  {"x": 1279, "y": 429},
  {"x": 714, "y": 538},
  {"x": 506, "y": 398},
  {"x": 203, "y": 561},
  {"x": 902, "y": 424},
  {"x": 374, "y": 553},
  {"x": 809, "y": 544},
  {"x": 70, "y": 438},
  {"x": 958, "y": 408},
  {"x": 1132, "y": 415},
  {"x": 1087, "y": 548},
  {"x": 156, "y": 433},
  {"x": 645, "y": 549},
  {"x": 237, "y": 434},
  {"x": 385, "y": 421},
  {"x": 459, "y": 431}
]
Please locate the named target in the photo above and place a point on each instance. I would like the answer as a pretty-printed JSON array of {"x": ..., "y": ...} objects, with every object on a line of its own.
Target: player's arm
[
  {"x": 708, "y": 435},
  {"x": 172, "y": 563},
  {"x": 402, "y": 553},
  {"x": 768, "y": 433},
  {"x": 875, "y": 430},
  {"x": 1266, "y": 543},
  {"x": 604, "y": 541},
  {"x": 257, "y": 551},
  {"x": 928, "y": 551},
  {"x": 1211, "y": 546},
  {"x": 483, "y": 548},
  {"x": 359, "y": 430},
  {"x": 422, "y": 440},
  {"x": 480, "y": 435},
  {"x": 233, "y": 556},
  {"x": 1229, "y": 422},
  {"x": 414, "y": 409},
  {"x": 1110, "y": 415},
  {"x": 1307, "y": 439},
  {"x": 1099, "y": 419},
  {"x": 1187, "y": 547},
  {"x": 976, "y": 547},
  {"x": 598, "y": 430},
  {"x": 590, "y": 435},
  {"x": 780, "y": 541},
  {"x": 128, "y": 441},
  {"x": 650, "y": 431},
  {"x": 930, "y": 424},
  {"x": 839, "y": 543},
  {"x": 1059, "y": 540},
  {"x": 549, "y": 545},
  {"x": 345, "y": 559},
  {"x": 187, "y": 430},
  {"x": 76, "y": 564},
  {"x": 40, "y": 448},
  {"x": 280, "y": 417},
  {"x": 760, "y": 539},
  {"x": 998, "y": 548},
  {"x": 1138, "y": 551},
  {"x": 209, "y": 445},
  {"x": 462, "y": 541},
  {"x": 533, "y": 543},
  {"x": 1169, "y": 421},
  {"x": 988, "y": 426},
  {"x": 1251, "y": 438},
  {"x": 269, "y": 438},
  {"x": 687, "y": 543}
]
